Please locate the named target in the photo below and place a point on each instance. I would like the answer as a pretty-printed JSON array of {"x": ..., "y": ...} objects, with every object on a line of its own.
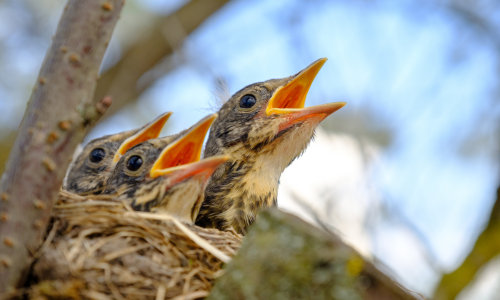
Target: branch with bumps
[{"x": 60, "y": 112}]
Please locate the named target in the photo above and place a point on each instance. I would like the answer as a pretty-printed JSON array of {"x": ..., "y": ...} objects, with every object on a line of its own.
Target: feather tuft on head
[{"x": 220, "y": 94}]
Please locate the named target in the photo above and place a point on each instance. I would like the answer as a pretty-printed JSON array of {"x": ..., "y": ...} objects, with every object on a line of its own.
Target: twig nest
[{"x": 100, "y": 248}]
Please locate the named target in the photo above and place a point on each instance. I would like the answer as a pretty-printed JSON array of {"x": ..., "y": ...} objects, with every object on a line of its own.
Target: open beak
[
  {"x": 203, "y": 169},
  {"x": 150, "y": 131},
  {"x": 186, "y": 149},
  {"x": 289, "y": 100}
]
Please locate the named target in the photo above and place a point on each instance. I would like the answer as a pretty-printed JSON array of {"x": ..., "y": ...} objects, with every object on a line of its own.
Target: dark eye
[
  {"x": 134, "y": 163},
  {"x": 247, "y": 101},
  {"x": 97, "y": 155}
]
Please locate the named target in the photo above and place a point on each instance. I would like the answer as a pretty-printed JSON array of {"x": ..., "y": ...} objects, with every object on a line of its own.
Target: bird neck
[{"x": 238, "y": 190}]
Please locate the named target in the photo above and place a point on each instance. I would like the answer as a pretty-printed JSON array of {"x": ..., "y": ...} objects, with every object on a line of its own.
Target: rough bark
[
  {"x": 120, "y": 81},
  {"x": 59, "y": 113},
  {"x": 283, "y": 257},
  {"x": 486, "y": 248}
]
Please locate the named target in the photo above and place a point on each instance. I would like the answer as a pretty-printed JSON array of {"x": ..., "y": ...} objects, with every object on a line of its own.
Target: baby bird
[
  {"x": 262, "y": 128},
  {"x": 90, "y": 170},
  {"x": 165, "y": 175}
]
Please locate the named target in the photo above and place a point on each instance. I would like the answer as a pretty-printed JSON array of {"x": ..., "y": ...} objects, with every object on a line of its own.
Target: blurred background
[{"x": 407, "y": 172}]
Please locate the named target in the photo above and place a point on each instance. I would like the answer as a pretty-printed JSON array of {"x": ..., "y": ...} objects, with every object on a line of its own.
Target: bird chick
[
  {"x": 165, "y": 175},
  {"x": 90, "y": 170},
  {"x": 262, "y": 128}
]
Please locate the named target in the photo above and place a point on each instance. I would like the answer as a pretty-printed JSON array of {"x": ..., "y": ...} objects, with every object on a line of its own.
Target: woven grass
[{"x": 99, "y": 248}]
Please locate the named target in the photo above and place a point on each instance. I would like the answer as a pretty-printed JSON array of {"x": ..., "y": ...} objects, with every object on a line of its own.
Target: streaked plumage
[
  {"x": 262, "y": 128},
  {"x": 90, "y": 170},
  {"x": 170, "y": 177}
]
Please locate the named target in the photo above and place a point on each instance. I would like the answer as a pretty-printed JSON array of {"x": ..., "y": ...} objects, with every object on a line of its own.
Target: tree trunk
[{"x": 59, "y": 113}]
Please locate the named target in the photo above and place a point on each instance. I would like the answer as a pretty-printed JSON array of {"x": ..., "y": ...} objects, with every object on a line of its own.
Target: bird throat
[
  {"x": 245, "y": 184},
  {"x": 234, "y": 197},
  {"x": 248, "y": 181}
]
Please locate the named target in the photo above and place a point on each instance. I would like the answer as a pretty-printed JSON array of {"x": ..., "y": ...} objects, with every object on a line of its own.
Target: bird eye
[
  {"x": 134, "y": 163},
  {"x": 247, "y": 101},
  {"x": 97, "y": 155}
]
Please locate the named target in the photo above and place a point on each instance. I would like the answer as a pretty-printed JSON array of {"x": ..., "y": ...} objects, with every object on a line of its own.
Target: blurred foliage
[{"x": 148, "y": 58}]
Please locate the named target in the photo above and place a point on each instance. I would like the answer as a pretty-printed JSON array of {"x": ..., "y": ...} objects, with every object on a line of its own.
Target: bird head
[
  {"x": 270, "y": 117},
  {"x": 262, "y": 128},
  {"x": 166, "y": 174},
  {"x": 90, "y": 170}
]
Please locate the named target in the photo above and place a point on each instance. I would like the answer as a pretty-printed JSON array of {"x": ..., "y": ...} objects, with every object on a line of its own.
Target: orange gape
[
  {"x": 292, "y": 96},
  {"x": 289, "y": 99},
  {"x": 180, "y": 155},
  {"x": 186, "y": 149}
]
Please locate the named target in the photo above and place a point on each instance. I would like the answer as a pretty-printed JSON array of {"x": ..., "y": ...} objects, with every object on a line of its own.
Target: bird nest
[{"x": 99, "y": 248}]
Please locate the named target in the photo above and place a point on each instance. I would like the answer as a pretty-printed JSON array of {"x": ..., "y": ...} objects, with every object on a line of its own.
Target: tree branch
[
  {"x": 120, "y": 81},
  {"x": 168, "y": 34},
  {"x": 283, "y": 257},
  {"x": 486, "y": 248},
  {"x": 58, "y": 115}
]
